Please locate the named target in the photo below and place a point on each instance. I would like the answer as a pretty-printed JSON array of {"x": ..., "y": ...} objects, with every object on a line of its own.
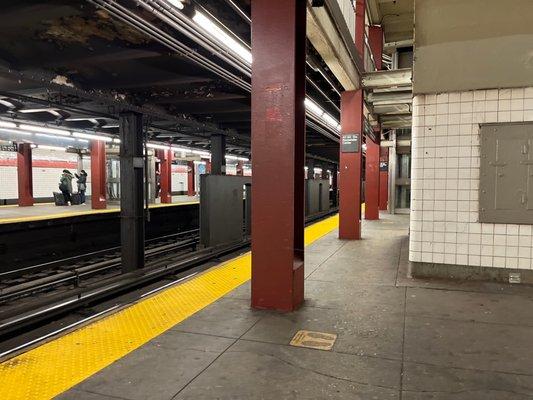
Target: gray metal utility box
[
  {"x": 316, "y": 196},
  {"x": 222, "y": 209},
  {"x": 506, "y": 173}
]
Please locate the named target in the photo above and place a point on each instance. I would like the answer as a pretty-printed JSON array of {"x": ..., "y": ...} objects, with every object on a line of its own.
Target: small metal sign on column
[{"x": 351, "y": 143}]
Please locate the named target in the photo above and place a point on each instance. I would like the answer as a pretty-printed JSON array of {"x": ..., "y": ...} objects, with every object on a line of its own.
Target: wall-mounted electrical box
[{"x": 506, "y": 173}]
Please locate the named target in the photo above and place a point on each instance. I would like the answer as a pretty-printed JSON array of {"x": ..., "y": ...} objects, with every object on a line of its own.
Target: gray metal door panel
[{"x": 506, "y": 171}]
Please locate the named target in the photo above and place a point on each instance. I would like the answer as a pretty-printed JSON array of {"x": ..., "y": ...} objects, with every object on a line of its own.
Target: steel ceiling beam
[{"x": 387, "y": 78}]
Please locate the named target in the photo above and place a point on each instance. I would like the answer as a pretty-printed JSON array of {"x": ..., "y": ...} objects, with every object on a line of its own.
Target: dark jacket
[
  {"x": 65, "y": 182},
  {"x": 82, "y": 181}
]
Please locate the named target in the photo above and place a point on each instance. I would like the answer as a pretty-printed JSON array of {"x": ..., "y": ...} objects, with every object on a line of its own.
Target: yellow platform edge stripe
[
  {"x": 34, "y": 218},
  {"x": 54, "y": 367}
]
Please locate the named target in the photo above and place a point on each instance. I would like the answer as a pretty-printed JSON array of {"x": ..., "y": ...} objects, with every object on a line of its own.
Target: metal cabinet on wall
[{"x": 506, "y": 173}]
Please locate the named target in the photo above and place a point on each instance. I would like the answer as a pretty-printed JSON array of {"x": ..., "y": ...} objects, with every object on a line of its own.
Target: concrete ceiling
[{"x": 396, "y": 17}]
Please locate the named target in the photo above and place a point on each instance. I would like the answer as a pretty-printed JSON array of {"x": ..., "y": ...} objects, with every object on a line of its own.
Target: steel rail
[{"x": 74, "y": 275}]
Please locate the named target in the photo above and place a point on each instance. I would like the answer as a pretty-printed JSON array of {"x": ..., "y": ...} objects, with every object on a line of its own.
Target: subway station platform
[
  {"x": 45, "y": 211},
  {"x": 396, "y": 338}
]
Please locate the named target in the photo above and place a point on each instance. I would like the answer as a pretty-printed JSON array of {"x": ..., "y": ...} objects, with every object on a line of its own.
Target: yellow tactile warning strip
[
  {"x": 56, "y": 366},
  {"x": 80, "y": 213},
  {"x": 16, "y": 205}
]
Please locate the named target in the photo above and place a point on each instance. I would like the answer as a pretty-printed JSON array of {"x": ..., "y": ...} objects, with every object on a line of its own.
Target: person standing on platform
[
  {"x": 82, "y": 185},
  {"x": 65, "y": 185}
]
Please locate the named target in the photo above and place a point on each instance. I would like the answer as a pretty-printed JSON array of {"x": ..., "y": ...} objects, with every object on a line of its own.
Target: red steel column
[
  {"x": 98, "y": 175},
  {"x": 190, "y": 178},
  {"x": 372, "y": 179},
  {"x": 240, "y": 168},
  {"x": 360, "y": 27},
  {"x": 165, "y": 162},
  {"x": 350, "y": 162},
  {"x": 25, "y": 175},
  {"x": 278, "y": 139},
  {"x": 350, "y": 167},
  {"x": 383, "y": 178},
  {"x": 375, "y": 40},
  {"x": 207, "y": 165}
]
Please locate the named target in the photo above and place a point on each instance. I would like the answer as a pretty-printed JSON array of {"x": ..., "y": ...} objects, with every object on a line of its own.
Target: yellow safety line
[
  {"x": 16, "y": 205},
  {"x": 56, "y": 366},
  {"x": 80, "y": 213}
]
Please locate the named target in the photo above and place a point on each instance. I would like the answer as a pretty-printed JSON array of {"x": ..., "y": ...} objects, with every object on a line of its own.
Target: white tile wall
[{"x": 445, "y": 180}]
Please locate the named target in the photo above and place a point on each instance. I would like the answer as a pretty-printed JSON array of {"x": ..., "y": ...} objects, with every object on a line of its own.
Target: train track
[
  {"x": 75, "y": 270},
  {"x": 88, "y": 279}
]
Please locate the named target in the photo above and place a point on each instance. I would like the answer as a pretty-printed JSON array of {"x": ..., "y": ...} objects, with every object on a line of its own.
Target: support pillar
[
  {"x": 325, "y": 174},
  {"x": 383, "y": 178},
  {"x": 375, "y": 40},
  {"x": 190, "y": 179},
  {"x": 207, "y": 165},
  {"x": 131, "y": 191},
  {"x": 360, "y": 6},
  {"x": 218, "y": 154},
  {"x": 240, "y": 168},
  {"x": 25, "y": 175},
  {"x": 165, "y": 162},
  {"x": 372, "y": 180},
  {"x": 310, "y": 164},
  {"x": 278, "y": 139},
  {"x": 98, "y": 175},
  {"x": 350, "y": 160},
  {"x": 350, "y": 165},
  {"x": 334, "y": 184}
]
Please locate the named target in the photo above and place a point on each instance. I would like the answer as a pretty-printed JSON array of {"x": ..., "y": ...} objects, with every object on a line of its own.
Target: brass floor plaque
[{"x": 314, "y": 340}]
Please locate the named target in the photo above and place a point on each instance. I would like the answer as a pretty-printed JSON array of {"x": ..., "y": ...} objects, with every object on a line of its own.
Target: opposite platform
[{"x": 46, "y": 211}]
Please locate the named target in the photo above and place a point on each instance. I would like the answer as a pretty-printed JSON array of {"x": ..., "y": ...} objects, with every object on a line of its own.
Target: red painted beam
[
  {"x": 25, "y": 175},
  {"x": 350, "y": 166},
  {"x": 278, "y": 147},
  {"x": 98, "y": 175},
  {"x": 165, "y": 163},
  {"x": 383, "y": 178},
  {"x": 207, "y": 165},
  {"x": 372, "y": 180},
  {"x": 190, "y": 179},
  {"x": 360, "y": 27},
  {"x": 375, "y": 40}
]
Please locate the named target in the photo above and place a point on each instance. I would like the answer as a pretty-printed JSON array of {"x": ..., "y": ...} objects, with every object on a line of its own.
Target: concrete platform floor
[
  {"x": 49, "y": 210},
  {"x": 397, "y": 338}
]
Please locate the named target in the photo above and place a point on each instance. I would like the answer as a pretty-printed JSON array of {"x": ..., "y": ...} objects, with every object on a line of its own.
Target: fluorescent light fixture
[
  {"x": 177, "y": 3},
  {"x": 201, "y": 153},
  {"x": 53, "y": 137},
  {"x": 91, "y": 137},
  {"x": 7, "y": 124},
  {"x": 157, "y": 146},
  {"x": 313, "y": 108},
  {"x": 182, "y": 149},
  {"x": 230, "y": 157},
  {"x": 44, "y": 129},
  {"x": 15, "y": 131},
  {"x": 317, "y": 170},
  {"x": 330, "y": 120},
  {"x": 37, "y": 110},
  {"x": 53, "y": 148},
  {"x": 218, "y": 34},
  {"x": 116, "y": 140}
]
